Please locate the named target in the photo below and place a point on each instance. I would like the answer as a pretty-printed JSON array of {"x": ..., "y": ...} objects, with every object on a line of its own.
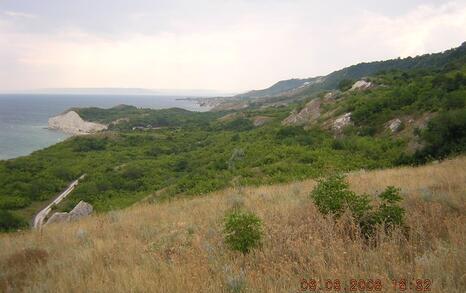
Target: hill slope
[
  {"x": 294, "y": 87},
  {"x": 177, "y": 246},
  {"x": 403, "y": 117}
]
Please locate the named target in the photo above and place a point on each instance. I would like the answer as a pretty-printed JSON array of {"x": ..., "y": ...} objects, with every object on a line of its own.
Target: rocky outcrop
[
  {"x": 71, "y": 123},
  {"x": 341, "y": 122},
  {"x": 394, "y": 125},
  {"x": 331, "y": 95},
  {"x": 58, "y": 218},
  {"x": 309, "y": 114},
  {"x": 362, "y": 85},
  {"x": 260, "y": 120},
  {"x": 81, "y": 210}
]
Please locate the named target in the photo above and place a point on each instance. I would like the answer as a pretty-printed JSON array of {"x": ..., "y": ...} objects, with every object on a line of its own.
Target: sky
[{"x": 224, "y": 45}]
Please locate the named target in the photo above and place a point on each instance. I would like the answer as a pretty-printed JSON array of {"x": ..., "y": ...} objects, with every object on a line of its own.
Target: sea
[{"x": 24, "y": 118}]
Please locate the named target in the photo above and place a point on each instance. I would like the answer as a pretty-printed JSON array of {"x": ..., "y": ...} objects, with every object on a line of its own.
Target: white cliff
[{"x": 70, "y": 122}]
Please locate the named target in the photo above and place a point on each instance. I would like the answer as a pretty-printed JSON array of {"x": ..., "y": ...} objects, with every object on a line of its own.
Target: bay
[{"x": 23, "y": 118}]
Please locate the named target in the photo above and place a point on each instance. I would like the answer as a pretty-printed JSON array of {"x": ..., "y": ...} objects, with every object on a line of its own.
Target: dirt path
[{"x": 38, "y": 220}]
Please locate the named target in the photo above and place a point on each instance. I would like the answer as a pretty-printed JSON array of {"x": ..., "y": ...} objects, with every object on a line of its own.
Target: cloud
[
  {"x": 425, "y": 29},
  {"x": 19, "y": 14},
  {"x": 246, "y": 45}
]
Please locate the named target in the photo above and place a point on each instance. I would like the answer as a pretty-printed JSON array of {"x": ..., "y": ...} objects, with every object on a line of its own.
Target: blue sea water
[{"x": 23, "y": 118}]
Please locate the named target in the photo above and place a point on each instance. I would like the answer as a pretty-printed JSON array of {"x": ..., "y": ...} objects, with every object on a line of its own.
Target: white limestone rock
[
  {"x": 394, "y": 125},
  {"x": 308, "y": 114},
  {"x": 362, "y": 85},
  {"x": 71, "y": 123},
  {"x": 341, "y": 122},
  {"x": 81, "y": 210}
]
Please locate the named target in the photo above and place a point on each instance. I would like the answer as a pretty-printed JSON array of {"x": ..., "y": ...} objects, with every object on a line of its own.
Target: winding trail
[{"x": 38, "y": 220}]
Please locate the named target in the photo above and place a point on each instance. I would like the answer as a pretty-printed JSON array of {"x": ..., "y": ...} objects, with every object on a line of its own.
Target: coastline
[{"x": 24, "y": 117}]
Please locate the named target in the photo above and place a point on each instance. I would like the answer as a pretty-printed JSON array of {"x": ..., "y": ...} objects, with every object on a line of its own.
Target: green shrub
[
  {"x": 236, "y": 156},
  {"x": 14, "y": 202},
  {"x": 446, "y": 134},
  {"x": 240, "y": 124},
  {"x": 332, "y": 196},
  {"x": 10, "y": 222},
  {"x": 389, "y": 212},
  {"x": 242, "y": 231},
  {"x": 87, "y": 144}
]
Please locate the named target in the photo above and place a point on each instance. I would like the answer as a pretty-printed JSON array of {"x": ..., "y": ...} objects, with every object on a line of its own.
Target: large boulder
[{"x": 81, "y": 210}]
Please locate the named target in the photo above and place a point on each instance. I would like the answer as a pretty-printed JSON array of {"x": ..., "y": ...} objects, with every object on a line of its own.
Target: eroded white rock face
[
  {"x": 361, "y": 85},
  {"x": 72, "y": 123},
  {"x": 330, "y": 95},
  {"x": 308, "y": 114},
  {"x": 81, "y": 210},
  {"x": 394, "y": 125},
  {"x": 341, "y": 122}
]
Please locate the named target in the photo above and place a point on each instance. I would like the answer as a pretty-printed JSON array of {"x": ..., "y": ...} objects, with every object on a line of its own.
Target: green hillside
[
  {"x": 158, "y": 154},
  {"x": 355, "y": 72}
]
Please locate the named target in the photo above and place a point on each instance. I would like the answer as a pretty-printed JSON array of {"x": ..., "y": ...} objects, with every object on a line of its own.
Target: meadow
[{"x": 177, "y": 245}]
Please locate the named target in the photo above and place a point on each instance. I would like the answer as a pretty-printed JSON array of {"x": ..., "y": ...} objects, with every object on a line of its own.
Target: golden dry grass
[{"x": 177, "y": 246}]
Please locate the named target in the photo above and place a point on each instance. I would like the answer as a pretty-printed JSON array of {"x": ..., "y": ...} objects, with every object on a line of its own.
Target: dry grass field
[{"x": 177, "y": 246}]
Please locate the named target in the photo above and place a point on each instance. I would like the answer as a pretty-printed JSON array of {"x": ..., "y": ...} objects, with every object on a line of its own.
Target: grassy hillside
[
  {"x": 125, "y": 166},
  {"x": 166, "y": 153},
  {"x": 177, "y": 246},
  {"x": 174, "y": 152}
]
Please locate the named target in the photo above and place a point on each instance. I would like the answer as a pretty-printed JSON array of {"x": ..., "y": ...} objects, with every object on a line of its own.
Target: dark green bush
[
  {"x": 332, "y": 196},
  {"x": 10, "y": 222},
  {"x": 87, "y": 144},
  {"x": 240, "y": 124},
  {"x": 242, "y": 231},
  {"x": 14, "y": 202},
  {"x": 389, "y": 212},
  {"x": 446, "y": 134}
]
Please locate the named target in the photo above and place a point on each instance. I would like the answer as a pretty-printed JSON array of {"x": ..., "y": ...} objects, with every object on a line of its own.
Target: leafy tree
[{"x": 242, "y": 231}]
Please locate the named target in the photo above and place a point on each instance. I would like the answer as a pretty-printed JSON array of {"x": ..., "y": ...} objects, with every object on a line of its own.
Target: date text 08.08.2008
[{"x": 365, "y": 285}]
